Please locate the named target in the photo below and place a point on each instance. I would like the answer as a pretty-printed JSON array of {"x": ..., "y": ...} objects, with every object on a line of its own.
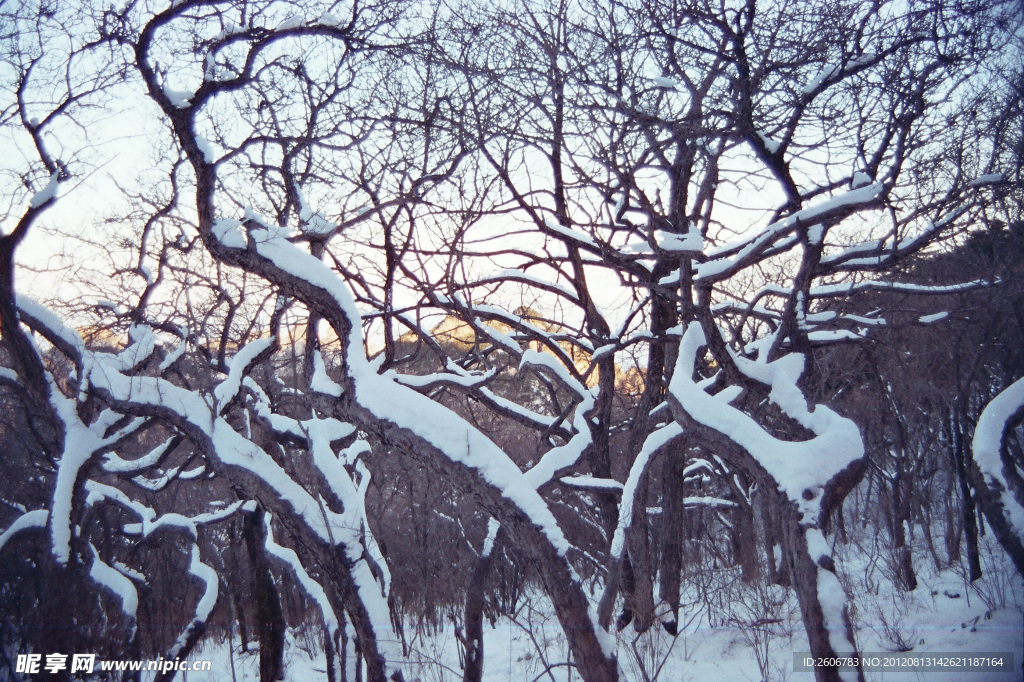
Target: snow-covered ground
[{"x": 721, "y": 640}]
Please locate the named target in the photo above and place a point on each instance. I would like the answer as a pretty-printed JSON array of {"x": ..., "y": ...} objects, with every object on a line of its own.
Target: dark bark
[
  {"x": 269, "y": 615},
  {"x": 967, "y": 500},
  {"x": 992, "y": 507},
  {"x": 805, "y": 570},
  {"x": 778, "y": 571},
  {"x": 331, "y": 656},
  {"x": 744, "y": 542},
  {"x": 671, "y": 535},
  {"x": 641, "y": 597},
  {"x": 474, "y": 616},
  {"x": 901, "y": 516}
]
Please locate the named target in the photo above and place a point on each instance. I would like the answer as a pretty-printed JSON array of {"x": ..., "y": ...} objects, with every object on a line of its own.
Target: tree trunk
[
  {"x": 671, "y": 536},
  {"x": 269, "y": 615},
  {"x": 744, "y": 533},
  {"x": 970, "y": 515},
  {"x": 778, "y": 571},
  {"x": 744, "y": 542},
  {"x": 474, "y": 615},
  {"x": 900, "y": 518},
  {"x": 330, "y": 656},
  {"x": 641, "y": 598},
  {"x": 822, "y": 631}
]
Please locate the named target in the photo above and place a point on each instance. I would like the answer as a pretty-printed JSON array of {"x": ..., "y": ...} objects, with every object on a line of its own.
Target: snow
[
  {"x": 816, "y": 234},
  {"x": 501, "y": 338},
  {"x": 142, "y": 347},
  {"x": 832, "y": 597},
  {"x": 704, "y": 501},
  {"x": 988, "y": 179},
  {"x": 795, "y": 465},
  {"x": 721, "y": 265},
  {"x": 218, "y": 439},
  {"x": 592, "y": 483},
  {"x": 708, "y": 647},
  {"x": 928, "y": 319},
  {"x": 823, "y": 316},
  {"x": 558, "y": 459},
  {"x": 311, "y": 587},
  {"x": 115, "y": 464},
  {"x": 33, "y": 519},
  {"x": 239, "y": 365},
  {"x": 180, "y": 99},
  {"x": 206, "y": 149},
  {"x": 662, "y": 82},
  {"x": 771, "y": 145},
  {"x": 129, "y": 572},
  {"x": 293, "y": 21},
  {"x": 492, "y": 534},
  {"x": 710, "y": 651},
  {"x": 602, "y": 351},
  {"x": 508, "y": 274},
  {"x": 572, "y": 234},
  {"x": 822, "y": 76},
  {"x": 116, "y": 583},
  {"x": 228, "y": 232},
  {"x": 44, "y": 317},
  {"x": 328, "y": 19},
  {"x": 654, "y": 442},
  {"x": 80, "y": 443},
  {"x": 390, "y": 402},
  {"x": 860, "y": 179},
  {"x": 312, "y": 221},
  {"x": 206, "y": 603},
  {"x": 691, "y": 242},
  {"x": 548, "y": 361},
  {"x": 405, "y": 408},
  {"x": 425, "y": 380},
  {"x": 320, "y": 382},
  {"x": 175, "y": 354},
  {"x": 833, "y": 335},
  {"x": 47, "y": 193},
  {"x": 542, "y": 420},
  {"x": 729, "y": 394},
  {"x": 995, "y": 419},
  {"x": 844, "y": 289}
]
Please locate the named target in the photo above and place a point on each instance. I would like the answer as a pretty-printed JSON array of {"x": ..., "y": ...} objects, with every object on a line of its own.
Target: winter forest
[{"x": 514, "y": 340}]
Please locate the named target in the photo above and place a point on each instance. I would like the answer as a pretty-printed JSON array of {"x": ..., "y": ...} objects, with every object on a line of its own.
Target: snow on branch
[
  {"x": 654, "y": 443},
  {"x": 840, "y": 289},
  {"x": 390, "y": 402},
  {"x": 114, "y": 581},
  {"x": 36, "y": 518},
  {"x": 238, "y": 365},
  {"x": 538, "y": 359},
  {"x": 592, "y": 483},
  {"x": 801, "y": 469},
  {"x": 47, "y": 193},
  {"x": 428, "y": 380},
  {"x": 1000, "y": 474},
  {"x": 115, "y": 465},
  {"x": 728, "y": 260},
  {"x": 203, "y": 608},
  {"x": 508, "y": 275},
  {"x": 312, "y": 588}
]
